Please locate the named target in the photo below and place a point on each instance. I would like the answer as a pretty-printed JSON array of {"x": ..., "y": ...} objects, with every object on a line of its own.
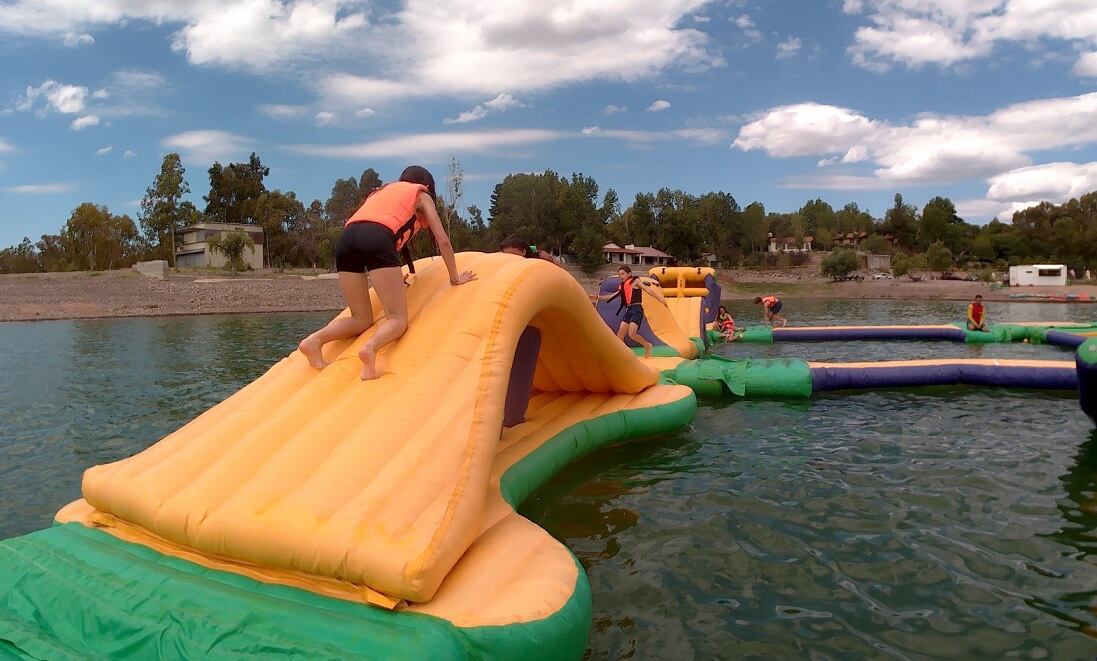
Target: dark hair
[
  {"x": 517, "y": 243},
  {"x": 625, "y": 268},
  {"x": 722, "y": 309},
  {"x": 757, "y": 299},
  {"x": 417, "y": 174},
  {"x": 979, "y": 296}
]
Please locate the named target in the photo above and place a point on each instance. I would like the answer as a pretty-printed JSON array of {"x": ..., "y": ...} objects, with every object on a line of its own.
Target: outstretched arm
[
  {"x": 655, "y": 292},
  {"x": 427, "y": 208}
]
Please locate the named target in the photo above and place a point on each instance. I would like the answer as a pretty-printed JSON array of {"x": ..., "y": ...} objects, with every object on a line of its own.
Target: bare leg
[
  {"x": 389, "y": 285},
  {"x": 355, "y": 288},
  {"x": 636, "y": 337},
  {"x": 622, "y": 330},
  {"x": 781, "y": 319}
]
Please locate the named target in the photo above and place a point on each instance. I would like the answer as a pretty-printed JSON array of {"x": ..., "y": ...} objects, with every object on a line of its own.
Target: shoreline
[{"x": 125, "y": 294}]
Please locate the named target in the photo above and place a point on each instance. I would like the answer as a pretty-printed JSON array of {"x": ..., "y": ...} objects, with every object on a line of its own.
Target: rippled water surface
[{"x": 925, "y": 523}]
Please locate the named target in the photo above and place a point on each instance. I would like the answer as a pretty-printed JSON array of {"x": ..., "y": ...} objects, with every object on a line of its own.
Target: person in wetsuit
[{"x": 631, "y": 292}]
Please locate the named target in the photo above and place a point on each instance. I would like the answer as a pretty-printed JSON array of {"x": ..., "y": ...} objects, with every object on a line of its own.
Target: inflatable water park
[{"x": 314, "y": 514}]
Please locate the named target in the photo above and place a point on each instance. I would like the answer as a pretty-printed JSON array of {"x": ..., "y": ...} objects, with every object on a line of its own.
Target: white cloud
[
  {"x": 788, "y": 47},
  {"x": 1050, "y": 181},
  {"x": 500, "y": 103},
  {"x": 658, "y": 105},
  {"x": 208, "y": 145},
  {"x": 613, "y": 110},
  {"x": 67, "y": 99},
  {"x": 701, "y": 19},
  {"x": 1086, "y": 65},
  {"x": 433, "y": 145},
  {"x": 129, "y": 153},
  {"x": 100, "y": 94},
  {"x": 483, "y": 46},
  {"x": 137, "y": 79},
  {"x": 74, "y": 39},
  {"x": 132, "y": 93},
  {"x": 281, "y": 111},
  {"x": 746, "y": 24},
  {"x": 701, "y": 135},
  {"x": 325, "y": 118},
  {"x": 5, "y": 146},
  {"x": 81, "y": 123},
  {"x": 103, "y": 151},
  {"x": 365, "y": 112},
  {"x": 945, "y": 32},
  {"x": 40, "y": 189},
  {"x": 932, "y": 148}
]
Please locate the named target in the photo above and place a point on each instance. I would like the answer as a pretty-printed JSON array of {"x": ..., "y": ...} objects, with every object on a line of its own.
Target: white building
[
  {"x": 789, "y": 244},
  {"x": 633, "y": 255},
  {"x": 1037, "y": 274}
]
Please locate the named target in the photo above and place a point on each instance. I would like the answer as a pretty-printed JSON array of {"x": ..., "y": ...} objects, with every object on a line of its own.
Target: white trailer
[{"x": 1037, "y": 274}]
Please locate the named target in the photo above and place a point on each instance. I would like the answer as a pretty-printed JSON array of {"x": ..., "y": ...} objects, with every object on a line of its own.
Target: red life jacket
[
  {"x": 769, "y": 301},
  {"x": 393, "y": 206},
  {"x": 627, "y": 290}
]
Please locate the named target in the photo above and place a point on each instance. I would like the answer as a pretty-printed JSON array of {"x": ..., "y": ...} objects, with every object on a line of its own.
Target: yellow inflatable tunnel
[{"x": 693, "y": 296}]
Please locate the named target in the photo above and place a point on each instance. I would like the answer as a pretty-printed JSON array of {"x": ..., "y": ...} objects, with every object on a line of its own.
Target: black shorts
[
  {"x": 365, "y": 246},
  {"x": 634, "y": 314},
  {"x": 776, "y": 307}
]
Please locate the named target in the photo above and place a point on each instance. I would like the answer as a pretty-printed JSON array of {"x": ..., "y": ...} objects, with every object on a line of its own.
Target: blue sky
[{"x": 991, "y": 102}]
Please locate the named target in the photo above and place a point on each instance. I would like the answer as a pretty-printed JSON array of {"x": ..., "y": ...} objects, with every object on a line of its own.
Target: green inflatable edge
[
  {"x": 715, "y": 376},
  {"x": 70, "y": 589}
]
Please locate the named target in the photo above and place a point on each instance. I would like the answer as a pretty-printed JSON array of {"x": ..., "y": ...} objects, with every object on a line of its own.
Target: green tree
[
  {"x": 877, "y": 245},
  {"x": 234, "y": 190},
  {"x": 939, "y": 257},
  {"x": 851, "y": 218},
  {"x": 983, "y": 248},
  {"x": 588, "y": 249},
  {"x": 93, "y": 239},
  {"x": 900, "y": 265},
  {"x": 311, "y": 236},
  {"x": 281, "y": 215},
  {"x": 839, "y": 263},
  {"x": 818, "y": 215},
  {"x": 22, "y": 258},
  {"x": 162, "y": 211},
  {"x": 755, "y": 227},
  {"x": 450, "y": 199},
  {"x": 232, "y": 245},
  {"x": 901, "y": 220},
  {"x": 343, "y": 201},
  {"x": 368, "y": 182}
]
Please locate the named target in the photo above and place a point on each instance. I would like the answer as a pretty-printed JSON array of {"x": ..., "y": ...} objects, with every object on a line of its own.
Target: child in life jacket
[
  {"x": 631, "y": 292},
  {"x": 726, "y": 324},
  {"x": 771, "y": 305}
]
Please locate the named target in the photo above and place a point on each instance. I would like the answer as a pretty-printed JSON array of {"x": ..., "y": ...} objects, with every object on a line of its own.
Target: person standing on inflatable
[
  {"x": 772, "y": 305},
  {"x": 977, "y": 314},
  {"x": 373, "y": 240},
  {"x": 631, "y": 292}
]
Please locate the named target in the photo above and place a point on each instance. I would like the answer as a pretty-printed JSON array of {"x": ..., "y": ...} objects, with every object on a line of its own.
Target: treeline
[{"x": 565, "y": 215}]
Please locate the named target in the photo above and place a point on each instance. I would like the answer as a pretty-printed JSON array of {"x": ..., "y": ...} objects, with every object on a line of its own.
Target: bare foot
[
  {"x": 369, "y": 362},
  {"x": 311, "y": 349},
  {"x": 647, "y": 351}
]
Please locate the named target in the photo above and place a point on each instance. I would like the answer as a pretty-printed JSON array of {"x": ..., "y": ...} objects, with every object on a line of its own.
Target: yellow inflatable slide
[{"x": 400, "y": 492}]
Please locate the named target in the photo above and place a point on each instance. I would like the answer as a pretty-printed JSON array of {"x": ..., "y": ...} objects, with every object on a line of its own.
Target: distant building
[
  {"x": 1037, "y": 274},
  {"x": 192, "y": 245},
  {"x": 878, "y": 262},
  {"x": 635, "y": 255},
  {"x": 790, "y": 244}
]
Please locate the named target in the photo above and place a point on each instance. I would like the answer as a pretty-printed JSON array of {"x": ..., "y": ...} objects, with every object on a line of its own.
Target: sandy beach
[{"x": 84, "y": 295}]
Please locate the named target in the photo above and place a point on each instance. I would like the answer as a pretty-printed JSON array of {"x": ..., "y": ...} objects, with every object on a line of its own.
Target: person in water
[
  {"x": 373, "y": 240},
  {"x": 726, "y": 324},
  {"x": 772, "y": 305},
  {"x": 631, "y": 292},
  {"x": 977, "y": 314},
  {"x": 516, "y": 245}
]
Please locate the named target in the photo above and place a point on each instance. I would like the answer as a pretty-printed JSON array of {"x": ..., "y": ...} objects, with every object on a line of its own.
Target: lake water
[{"x": 945, "y": 522}]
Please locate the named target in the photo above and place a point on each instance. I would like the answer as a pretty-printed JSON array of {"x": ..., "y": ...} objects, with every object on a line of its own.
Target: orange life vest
[
  {"x": 630, "y": 288},
  {"x": 769, "y": 301},
  {"x": 394, "y": 206}
]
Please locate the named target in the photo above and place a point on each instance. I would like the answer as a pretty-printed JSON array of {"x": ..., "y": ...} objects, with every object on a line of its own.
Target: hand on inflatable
[{"x": 466, "y": 276}]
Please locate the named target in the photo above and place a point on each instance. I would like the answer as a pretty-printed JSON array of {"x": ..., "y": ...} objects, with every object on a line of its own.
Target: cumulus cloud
[
  {"x": 746, "y": 24},
  {"x": 81, "y": 123},
  {"x": 208, "y": 145},
  {"x": 325, "y": 118},
  {"x": 365, "y": 112},
  {"x": 282, "y": 111},
  {"x": 74, "y": 39},
  {"x": 67, "y": 99},
  {"x": 459, "y": 47},
  {"x": 40, "y": 189},
  {"x": 500, "y": 103},
  {"x": 931, "y": 148},
  {"x": 101, "y": 93},
  {"x": 788, "y": 47},
  {"x": 103, "y": 151},
  {"x": 945, "y": 32},
  {"x": 1048, "y": 181},
  {"x": 613, "y": 110},
  {"x": 128, "y": 154},
  {"x": 658, "y": 105}
]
